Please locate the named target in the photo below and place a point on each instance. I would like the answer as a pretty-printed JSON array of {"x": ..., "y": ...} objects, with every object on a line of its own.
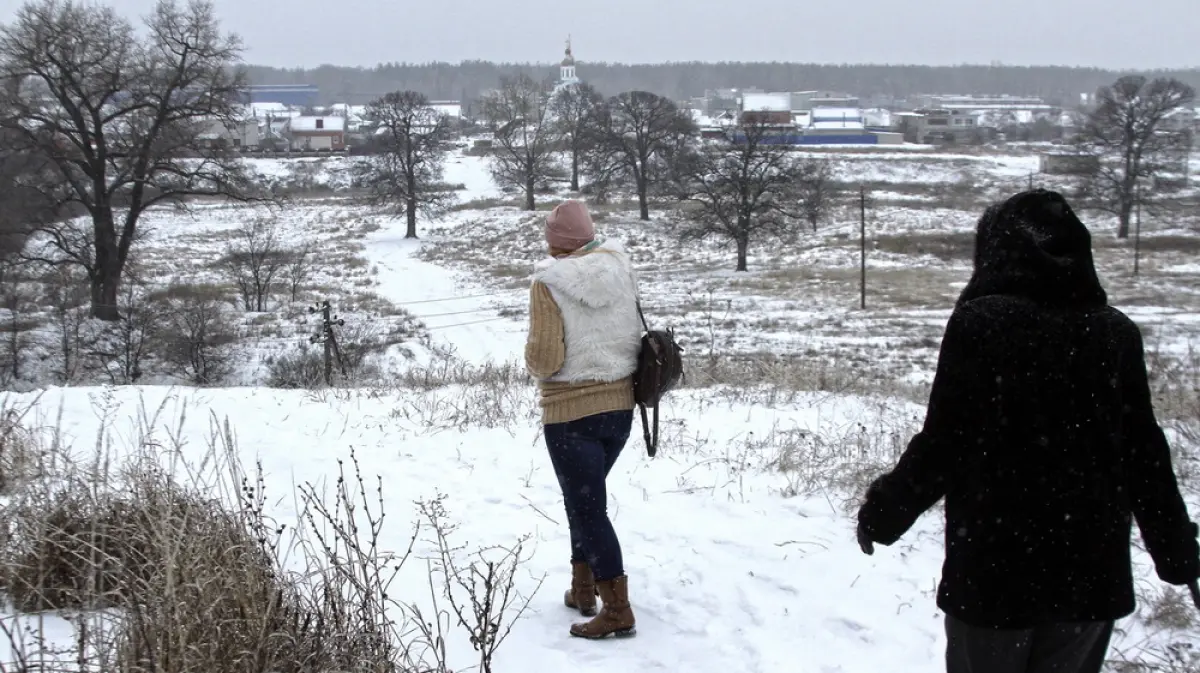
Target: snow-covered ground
[
  {"x": 460, "y": 314},
  {"x": 738, "y": 537}
]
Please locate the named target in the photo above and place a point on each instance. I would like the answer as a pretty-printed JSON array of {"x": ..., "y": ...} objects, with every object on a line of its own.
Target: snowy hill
[{"x": 738, "y": 537}]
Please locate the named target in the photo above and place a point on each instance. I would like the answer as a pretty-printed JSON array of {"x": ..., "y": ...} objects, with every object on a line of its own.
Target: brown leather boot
[
  {"x": 616, "y": 616},
  {"x": 582, "y": 594}
]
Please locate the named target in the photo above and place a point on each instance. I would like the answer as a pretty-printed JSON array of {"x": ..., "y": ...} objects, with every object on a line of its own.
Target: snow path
[{"x": 460, "y": 315}]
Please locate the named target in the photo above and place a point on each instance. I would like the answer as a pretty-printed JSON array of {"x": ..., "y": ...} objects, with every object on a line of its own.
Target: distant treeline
[{"x": 874, "y": 83}]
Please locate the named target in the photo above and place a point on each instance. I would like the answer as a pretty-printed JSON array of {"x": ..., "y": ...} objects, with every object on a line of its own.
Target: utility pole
[
  {"x": 328, "y": 339},
  {"x": 1031, "y": 181},
  {"x": 862, "y": 238},
  {"x": 1137, "y": 232}
]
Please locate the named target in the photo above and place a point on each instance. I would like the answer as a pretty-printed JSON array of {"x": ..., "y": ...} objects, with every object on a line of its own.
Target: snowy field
[{"x": 739, "y": 536}]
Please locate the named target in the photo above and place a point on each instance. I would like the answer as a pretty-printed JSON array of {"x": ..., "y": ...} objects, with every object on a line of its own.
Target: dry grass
[
  {"x": 956, "y": 246},
  {"x": 1171, "y": 609},
  {"x": 175, "y": 567},
  {"x": 767, "y": 378},
  {"x": 1175, "y": 386},
  {"x": 1151, "y": 244},
  {"x": 21, "y": 456}
]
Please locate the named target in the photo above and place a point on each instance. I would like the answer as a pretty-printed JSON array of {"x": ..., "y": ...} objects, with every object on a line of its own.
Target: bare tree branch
[
  {"x": 407, "y": 165},
  {"x": 525, "y": 138},
  {"x": 1128, "y": 132},
  {"x": 639, "y": 133},
  {"x": 122, "y": 120},
  {"x": 576, "y": 110},
  {"x": 742, "y": 192}
]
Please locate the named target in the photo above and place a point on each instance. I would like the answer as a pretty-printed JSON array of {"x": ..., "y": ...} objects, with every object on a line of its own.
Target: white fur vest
[{"x": 597, "y": 295}]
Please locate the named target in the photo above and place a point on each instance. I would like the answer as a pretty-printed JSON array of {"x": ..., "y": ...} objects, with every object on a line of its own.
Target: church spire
[{"x": 566, "y": 74}]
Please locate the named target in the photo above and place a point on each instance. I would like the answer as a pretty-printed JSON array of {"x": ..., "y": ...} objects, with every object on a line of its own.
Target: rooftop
[
  {"x": 766, "y": 102},
  {"x": 836, "y": 113}
]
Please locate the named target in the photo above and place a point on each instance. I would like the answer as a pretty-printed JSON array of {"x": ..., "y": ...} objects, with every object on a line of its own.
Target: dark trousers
[
  {"x": 1054, "y": 648},
  {"x": 582, "y": 453}
]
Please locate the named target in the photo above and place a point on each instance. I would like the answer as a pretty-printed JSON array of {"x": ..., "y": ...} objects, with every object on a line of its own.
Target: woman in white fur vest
[{"x": 584, "y": 337}]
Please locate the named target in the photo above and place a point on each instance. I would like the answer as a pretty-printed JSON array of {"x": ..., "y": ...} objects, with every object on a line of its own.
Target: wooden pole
[
  {"x": 862, "y": 237},
  {"x": 327, "y": 341},
  {"x": 1137, "y": 233}
]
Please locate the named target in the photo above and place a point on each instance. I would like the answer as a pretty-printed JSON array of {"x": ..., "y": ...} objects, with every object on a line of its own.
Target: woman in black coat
[{"x": 1041, "y": 436}]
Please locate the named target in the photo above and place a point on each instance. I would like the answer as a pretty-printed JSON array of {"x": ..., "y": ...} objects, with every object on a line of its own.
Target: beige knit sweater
[{"x": 545, "y": 353}]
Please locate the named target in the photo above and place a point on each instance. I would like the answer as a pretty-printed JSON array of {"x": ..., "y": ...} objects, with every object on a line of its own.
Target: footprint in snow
[{"x": 859, "y": 631}]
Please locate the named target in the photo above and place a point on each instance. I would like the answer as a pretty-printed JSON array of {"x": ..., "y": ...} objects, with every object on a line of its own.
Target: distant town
[{"x": 287, "y": 117}]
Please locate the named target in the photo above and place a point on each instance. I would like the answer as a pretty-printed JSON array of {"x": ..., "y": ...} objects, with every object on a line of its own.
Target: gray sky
[{"x": 1106, "y": 33}]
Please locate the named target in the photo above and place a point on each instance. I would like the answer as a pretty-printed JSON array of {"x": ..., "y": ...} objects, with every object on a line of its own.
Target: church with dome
[{"x": 566, "y": 72}]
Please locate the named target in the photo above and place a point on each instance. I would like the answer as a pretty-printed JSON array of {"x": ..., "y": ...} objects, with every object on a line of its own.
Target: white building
[
  {"x": 317, "y": 133},
  {"x": 242, "y": 133}
]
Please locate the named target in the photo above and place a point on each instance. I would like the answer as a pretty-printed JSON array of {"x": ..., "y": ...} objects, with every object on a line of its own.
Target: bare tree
[
  {"x": 254, "y": 260},
  {"x": 525, "y": 138},
  {"x": 299, "y": 269},
  {"x": 407, "y": 166},
  {"x": 740, "y": 193},
  {"x": 815, "y": 187},
  {"x": 120, "y": 119},
  {"x": 1128, "y": 133},
  {"x": 641, "y": 132},
  {"x": 576, "y": 109}
]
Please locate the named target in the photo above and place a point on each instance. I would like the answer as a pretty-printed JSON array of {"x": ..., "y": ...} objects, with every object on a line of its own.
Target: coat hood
[
  {"x": 1034, "y": 246},
  {"x": 597, "y": 277}
]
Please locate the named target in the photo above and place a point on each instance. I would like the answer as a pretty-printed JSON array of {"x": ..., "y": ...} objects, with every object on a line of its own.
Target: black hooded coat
[{"x": 1041, "y": 436}]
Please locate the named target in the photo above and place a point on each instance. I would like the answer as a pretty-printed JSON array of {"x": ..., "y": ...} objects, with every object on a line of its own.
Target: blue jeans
[{"x": 583, "y": 452}]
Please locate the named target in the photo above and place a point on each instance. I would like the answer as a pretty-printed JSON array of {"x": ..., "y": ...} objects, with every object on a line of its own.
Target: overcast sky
[{"x": 1106, "y": 33}]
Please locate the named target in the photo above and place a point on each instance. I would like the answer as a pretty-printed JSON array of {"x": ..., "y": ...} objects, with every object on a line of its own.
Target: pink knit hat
[{"x": 569, "y": 227}]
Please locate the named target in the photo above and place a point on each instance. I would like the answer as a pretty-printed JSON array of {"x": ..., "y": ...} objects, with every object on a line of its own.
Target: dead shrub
[
  {"x": 20, "y": 456},
  {"x": 98, "y": 550},
  {"x": 1175, "y": 387},
  {"x": 1171, "y": 609},
  {"x": 65, "y": 291},
  {"x": 197, "y": 337},
  {"x": 16, "y": 300},
  {"x": 123, "y": 348},
  {"x": 302, "y": 368},
  {"x": 197, "y": 577}
]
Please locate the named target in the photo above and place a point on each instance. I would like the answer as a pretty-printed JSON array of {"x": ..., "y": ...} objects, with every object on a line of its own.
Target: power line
[
  {"x": 468, "y": 323},
  {"x": 449, "y": 313},
  {"x": 445, "y": 299}
]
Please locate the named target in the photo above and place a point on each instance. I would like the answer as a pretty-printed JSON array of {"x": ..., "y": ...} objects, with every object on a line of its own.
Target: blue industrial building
[{"x": 299, "y": 95}]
